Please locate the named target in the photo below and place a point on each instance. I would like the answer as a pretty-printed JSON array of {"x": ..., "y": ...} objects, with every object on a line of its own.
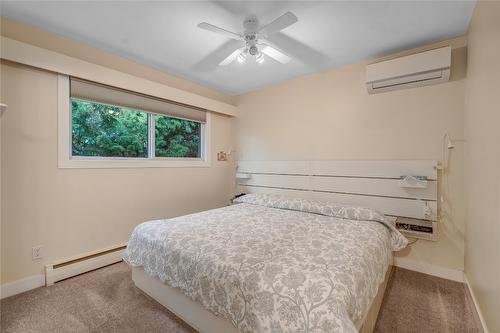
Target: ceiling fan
[{"x": 255, "y": 39}]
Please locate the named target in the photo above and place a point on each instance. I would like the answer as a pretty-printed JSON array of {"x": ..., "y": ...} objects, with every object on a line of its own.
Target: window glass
[
  {"x": 177, "y": 137},
  {"x": 100, "y": 130}
]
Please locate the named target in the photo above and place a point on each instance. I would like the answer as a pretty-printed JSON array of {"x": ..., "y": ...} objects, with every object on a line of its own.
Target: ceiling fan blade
[
  {"x": 230, "y": 58},
  {"x": 214, "y": 58},
  {"x": 275, "y": 54},
  {"x": 220, "y": 31},
  {"x": 279, "y": 24},
  {"x": 298, "y": 51}
]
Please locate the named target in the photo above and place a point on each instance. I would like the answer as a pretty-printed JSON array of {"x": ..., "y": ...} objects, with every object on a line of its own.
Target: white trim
[
  {"x": 476, "y": 305},
  {"x": 151, "y": 135},
  {"x": 34, "y": 56},
  {"x": 63, "y": 120},
  {"x": 442, "y": 272},
  {"x": 65, "y": 160},
  {"x": 21, "y": 285}
]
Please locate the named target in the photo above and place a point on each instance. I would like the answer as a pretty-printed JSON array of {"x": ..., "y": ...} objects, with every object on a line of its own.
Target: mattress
[{"x": 271, "y": 264}]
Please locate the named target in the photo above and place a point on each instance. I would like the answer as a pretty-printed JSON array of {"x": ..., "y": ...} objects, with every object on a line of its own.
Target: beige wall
[
  {"x": 324, "y": 116},
  {"x": 331, "y": 116},
  {"x": 482, "y": 159},
  {"x": 73, "y": 211},
  {"x": 24, "y": 33}
]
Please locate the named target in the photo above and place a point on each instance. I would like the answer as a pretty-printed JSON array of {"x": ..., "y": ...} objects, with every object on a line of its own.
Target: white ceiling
[{"x": 164, "y": 35}]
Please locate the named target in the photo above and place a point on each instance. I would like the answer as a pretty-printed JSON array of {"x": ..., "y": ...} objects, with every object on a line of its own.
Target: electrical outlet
[{"x": 36, "y": 252}]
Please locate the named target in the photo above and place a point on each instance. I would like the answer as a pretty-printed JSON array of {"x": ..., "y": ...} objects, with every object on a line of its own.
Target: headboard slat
[{"x": 367, "y": 183}]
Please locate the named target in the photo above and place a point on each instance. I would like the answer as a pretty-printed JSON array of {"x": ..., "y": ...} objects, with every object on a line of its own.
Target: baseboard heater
[{"x": 67, "y": 268}]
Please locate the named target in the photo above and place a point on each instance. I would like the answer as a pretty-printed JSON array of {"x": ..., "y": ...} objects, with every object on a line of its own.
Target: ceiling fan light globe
[{"x": 253, "y": 50}]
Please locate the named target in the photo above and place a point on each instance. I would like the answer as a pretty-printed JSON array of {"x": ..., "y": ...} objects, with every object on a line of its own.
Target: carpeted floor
[
  {"x": 416, "y": 302},
  {"x": 106, "y": 300}
]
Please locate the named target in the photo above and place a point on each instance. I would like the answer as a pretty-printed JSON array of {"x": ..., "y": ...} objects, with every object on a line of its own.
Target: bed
[{"x": 268, "y": 264}]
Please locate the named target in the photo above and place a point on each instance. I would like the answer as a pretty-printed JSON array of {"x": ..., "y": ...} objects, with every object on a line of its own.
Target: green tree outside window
[{"x": 100, "y": 130}]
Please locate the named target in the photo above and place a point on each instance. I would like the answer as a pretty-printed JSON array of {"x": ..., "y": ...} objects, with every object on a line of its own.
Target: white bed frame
[
  {"x": 367, "y": 183},
  {"x": 205, "y": 321}
]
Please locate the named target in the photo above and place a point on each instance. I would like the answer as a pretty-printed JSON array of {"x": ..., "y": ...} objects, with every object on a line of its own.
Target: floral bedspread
[{"x": 302, "y": 268}]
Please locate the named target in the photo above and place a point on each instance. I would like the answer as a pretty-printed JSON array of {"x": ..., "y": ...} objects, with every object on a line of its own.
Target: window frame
[{"x": 66, "y": 160}]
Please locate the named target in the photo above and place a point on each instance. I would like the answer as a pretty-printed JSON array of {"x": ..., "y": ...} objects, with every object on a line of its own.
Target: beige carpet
[
  {"x": 416, "y": 302},
  {"x": 106, "y": 300}
]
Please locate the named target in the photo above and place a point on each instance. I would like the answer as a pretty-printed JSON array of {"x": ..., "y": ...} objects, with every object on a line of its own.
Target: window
[
  {"x": 116, "y": 128},
  {"x": 101, "y": 130},
  {"x": 177, "y": 137}
]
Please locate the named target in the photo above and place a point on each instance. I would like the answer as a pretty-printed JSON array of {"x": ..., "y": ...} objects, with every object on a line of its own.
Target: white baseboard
[
  {"x": 478, "y": 309},
  {"x": 442, "y": 272},
  {"x": 22, "y": 285},
  {"x": 75, "y": 265}
]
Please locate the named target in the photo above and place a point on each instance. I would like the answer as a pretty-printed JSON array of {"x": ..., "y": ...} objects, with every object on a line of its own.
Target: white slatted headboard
[{"x": 366, "y": 183}]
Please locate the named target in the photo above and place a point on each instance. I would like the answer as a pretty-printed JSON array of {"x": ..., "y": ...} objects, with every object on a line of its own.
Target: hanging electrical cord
[
  {"x": 447, "y": 147},
  {"x": 412, "y": 242}
]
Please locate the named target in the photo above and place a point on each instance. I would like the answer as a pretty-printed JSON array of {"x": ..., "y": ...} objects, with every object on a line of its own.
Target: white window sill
[{"x": 83, "y": 163}]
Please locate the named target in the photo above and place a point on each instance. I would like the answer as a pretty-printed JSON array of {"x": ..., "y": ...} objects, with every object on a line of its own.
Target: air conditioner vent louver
[{"x": 421, "y": 69}]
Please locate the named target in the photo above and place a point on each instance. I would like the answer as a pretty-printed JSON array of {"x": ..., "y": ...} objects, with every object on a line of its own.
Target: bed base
[
  {"x": 372, "y": 315},
  {"x": 205, "y": 321},
  {"x": 182, "y": 306}
]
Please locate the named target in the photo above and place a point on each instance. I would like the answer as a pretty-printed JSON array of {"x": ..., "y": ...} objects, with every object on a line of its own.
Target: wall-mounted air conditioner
[{"x": 421, "y": 69}]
